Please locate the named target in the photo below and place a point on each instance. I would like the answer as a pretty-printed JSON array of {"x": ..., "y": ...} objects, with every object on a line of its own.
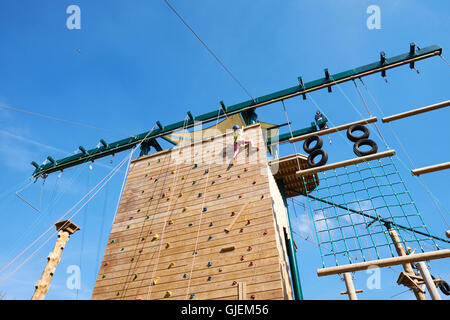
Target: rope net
[{"x": 353, "y": 207}]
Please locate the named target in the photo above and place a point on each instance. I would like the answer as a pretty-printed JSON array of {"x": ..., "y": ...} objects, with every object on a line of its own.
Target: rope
[
  {"x": 209, "y": 50},
  {"x": 433, "y": 198},
  {"x": 200, "y": 222},
  {"x": 110, "y": 174},
  {"x": 75, "y": 123}
]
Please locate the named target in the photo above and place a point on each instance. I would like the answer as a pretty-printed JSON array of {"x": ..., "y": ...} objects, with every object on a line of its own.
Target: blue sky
[{"x": 133, "y": 62}]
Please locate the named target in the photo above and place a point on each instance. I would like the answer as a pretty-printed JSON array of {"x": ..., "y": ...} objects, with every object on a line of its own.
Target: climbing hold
[
  {"x": 128, "y": 227},
  {"x": 147, "y": 217},
  {"x": 210, "y": 237},
  {"x": 170, "y": 221},
  {"x": 183, "y": 178},
  {"x": 113, "y": 240},
  {"x": 239, "y": 176},
  {"x": 155, "y": 237},
  {"x": 233, "y": 213},
  {"x": 146, "y": 174},
  {"x": 254, "y": 182},
  {"x": 242, "y": 258},
  {"x": 185, "y": 208},
  {"x": 194, "y": 182},
  {"x": 181, "y": 194},
  {"x": 122, "y": 249},
  {"x": 138, "y": 210},
  {"x": 143, "y": 238},
  {"x": 248, "y": 222},
  {"x": 135, "y": 276},
  {"x": 142, "y": 191},
  {"x": 139, "y": 298},
  {"x": 245, "y": 169},
  {"x": 163, "y": 195},
  {"x": 242, "y": 230},
  {"x": 106, "y": 264},
  {"x": 204, "y": 209},
  {"x": 185, "y": 275},
  {"x": 159, "y": 160},
  {"x": 220, "y": 269},
  {"x": 250, "y": 248},
  {"x": 253, "y": 297},
  {"x": 148, "y": 163},
  {"x": 195, "y": 165},
  {"x": 265, "y": 232},
  {"x": 207, "y": 170},
  {"x": 104, "y": 276},
  {"x": 209, "y": 278},
  {"x": 262, "y": 197},
  {"x": 190, "y": 224},
  {"x": 132, "y": 259},
  {"x": 218, "y": 196},
  {"x": 250, "y": 264},
  {"x": 200, "y": 194},
  {"x": 140, "y": 251},
  {"x": 131, "y": 218},
  {"x": 181, "y": 151},
  {"x": 195, "y": 251},
  {"x": 171, "y": 265},
  {"x": 170, "y": 188},
  {"x": 167, "y": 245},
  {"x": 220, "y": 176},
  {"x": 234, "y": 283},
  {"x": 192, "y": 296},
  {"x": 240, "y": 196},
  {"x": 210, "y": 224},
  {"x": 118, "y": 293},
  {"x": 210, "y": 264},
  {"x": 168, "y": 198},
  {"x": 212, "y": 182},
  {"x": 156, "y": 179},
  {"x": 151, "y": 198},
  {"x": 155, "y": 280}
]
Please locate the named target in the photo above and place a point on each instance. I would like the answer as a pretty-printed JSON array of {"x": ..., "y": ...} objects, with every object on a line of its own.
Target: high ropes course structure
[{"x": 224, "y": 233}]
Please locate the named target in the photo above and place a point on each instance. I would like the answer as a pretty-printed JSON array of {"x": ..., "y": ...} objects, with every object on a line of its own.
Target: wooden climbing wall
[{"x": 168, "y": 239}]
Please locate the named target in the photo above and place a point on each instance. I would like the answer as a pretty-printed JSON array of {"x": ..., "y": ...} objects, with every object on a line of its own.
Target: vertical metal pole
[
  {"x": 350, "y": 287},
  {"x": 423, "y": 269},
  {"x": 291, "y": 251}
]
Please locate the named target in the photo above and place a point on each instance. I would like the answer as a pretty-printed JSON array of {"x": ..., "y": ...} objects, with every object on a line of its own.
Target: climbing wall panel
[{"x": 168, "y": 240}]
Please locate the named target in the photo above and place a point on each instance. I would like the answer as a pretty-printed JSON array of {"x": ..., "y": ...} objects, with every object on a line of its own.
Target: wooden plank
[
  {"x": 333, "y": 130},
  {"x": 388, "y": 153},
  {"x": 434, "y": 168},
  {"x": 417, "y": 111},
  {"x": 439, "y": 254}
]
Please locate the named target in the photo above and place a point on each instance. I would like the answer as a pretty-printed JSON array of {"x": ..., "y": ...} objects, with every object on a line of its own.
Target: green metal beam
[{"x": 301, "y": 89}]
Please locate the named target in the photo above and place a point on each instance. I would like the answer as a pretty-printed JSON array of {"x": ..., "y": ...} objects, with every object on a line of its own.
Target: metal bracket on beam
[
  {"x": 327, "y": 78},
  {"x": 49, "y": 158},
  {"x": 300, "y": 82},
  {"x": 191, "y": 117},
  {"x": 223, "y": 107},
  {"x": 103, "y": 142},
  {"x": 382, "y": 62},
  {"x": 160, "y": 126},
  {"x": 83, "y": 150}
]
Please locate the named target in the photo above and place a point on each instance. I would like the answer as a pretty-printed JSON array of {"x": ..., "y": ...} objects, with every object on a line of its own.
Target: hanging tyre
[
  {"x": 365, "y": 142},
  {"x": 357, "y": 127},
  {"x": 315, "y": 154},
  {"x": 311, "y": 139}
]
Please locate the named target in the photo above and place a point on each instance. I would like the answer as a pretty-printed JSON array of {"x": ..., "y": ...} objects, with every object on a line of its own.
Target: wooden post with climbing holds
[{"x": 65, "y": 229}]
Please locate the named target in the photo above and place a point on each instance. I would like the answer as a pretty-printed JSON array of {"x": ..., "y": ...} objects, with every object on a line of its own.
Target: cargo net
[{"x": 353, "y": 207}]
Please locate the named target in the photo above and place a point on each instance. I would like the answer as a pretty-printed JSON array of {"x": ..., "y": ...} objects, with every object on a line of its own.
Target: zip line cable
[
  {"x": 104, "y": 181},
  {"x": 75, "y": 123},
  {"x": 209, "y": 50}
]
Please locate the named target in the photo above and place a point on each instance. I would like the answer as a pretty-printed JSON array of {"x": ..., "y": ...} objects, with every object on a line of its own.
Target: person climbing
[
  {"x": 240, "y": 141},
  {"x": 319, "y": 116}
]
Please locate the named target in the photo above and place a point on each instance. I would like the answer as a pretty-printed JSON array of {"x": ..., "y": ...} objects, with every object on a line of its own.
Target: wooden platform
[
  {"x": 168, "y": 240},
  {"x": 285, "y": 169}
]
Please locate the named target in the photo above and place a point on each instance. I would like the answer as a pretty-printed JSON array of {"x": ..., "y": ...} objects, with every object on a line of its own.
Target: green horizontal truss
[{"x": 223, "y": 111}]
